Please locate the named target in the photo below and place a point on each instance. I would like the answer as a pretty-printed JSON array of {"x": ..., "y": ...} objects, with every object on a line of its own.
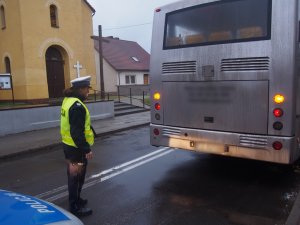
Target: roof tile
[{"x": 118, "y": 53}]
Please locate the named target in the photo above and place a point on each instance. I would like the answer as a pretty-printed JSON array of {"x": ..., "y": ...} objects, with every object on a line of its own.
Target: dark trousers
[{"x": 76, "y": 176}]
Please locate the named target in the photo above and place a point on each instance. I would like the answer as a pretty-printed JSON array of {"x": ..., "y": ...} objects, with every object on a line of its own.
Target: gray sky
[{"x": 133, "y": 18}]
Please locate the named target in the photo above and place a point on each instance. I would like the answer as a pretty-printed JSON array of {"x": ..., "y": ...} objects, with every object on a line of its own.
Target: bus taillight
[
  {"x": 157, "y": 116},
  {"x": 277, "y": 145},
  {"x": 279, "y": 99},
  {"x": 277, "y": 125},
  {"x": 278, "y": 112},
  {"x": 156, "y": 131},
  {"x": 156, "y": 96},
  {"x": 157, "y": 106}
]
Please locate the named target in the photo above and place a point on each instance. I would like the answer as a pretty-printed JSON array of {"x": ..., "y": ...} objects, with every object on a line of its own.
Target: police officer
[{"x": 77, "y": 137}]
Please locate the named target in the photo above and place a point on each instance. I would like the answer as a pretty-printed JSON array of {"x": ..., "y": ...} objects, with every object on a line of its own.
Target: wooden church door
[{"x": 55, "y": 72}]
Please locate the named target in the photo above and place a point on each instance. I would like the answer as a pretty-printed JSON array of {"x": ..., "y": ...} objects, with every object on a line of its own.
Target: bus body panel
[
  {"x": 209, "y": 105},
  {"x": 254, "y": 70}
]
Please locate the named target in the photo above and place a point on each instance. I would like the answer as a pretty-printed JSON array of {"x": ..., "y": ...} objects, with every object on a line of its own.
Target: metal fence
[{"x": 137, "y": 95}]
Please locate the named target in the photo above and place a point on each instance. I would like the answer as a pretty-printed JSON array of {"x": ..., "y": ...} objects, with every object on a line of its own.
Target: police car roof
[{"x": 22, "y": 209}]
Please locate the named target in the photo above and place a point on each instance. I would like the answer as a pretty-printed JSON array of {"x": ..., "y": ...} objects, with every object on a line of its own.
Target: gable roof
[
  {"x": 124, "y": 55},
  {"x": 90, "y": 6}
]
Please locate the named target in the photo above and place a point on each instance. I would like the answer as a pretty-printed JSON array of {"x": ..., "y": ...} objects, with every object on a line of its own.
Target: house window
[
  {"x": 130, "y": 79},
  {"x": 7, "y": 65},
  {"x": 53, "y": 16},
  {"x": 2, "y": 17},
  {"x": 146, "y": 79},
  {"x": 135, "y": 59}
]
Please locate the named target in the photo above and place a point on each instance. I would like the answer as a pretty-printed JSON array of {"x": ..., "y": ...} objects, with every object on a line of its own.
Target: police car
[{"x": 19, "y": 209}]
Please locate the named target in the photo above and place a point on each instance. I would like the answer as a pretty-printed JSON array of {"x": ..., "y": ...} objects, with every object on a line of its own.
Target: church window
[
  {"x": 7, "y": 65},
  {"x": 2, "y": 17},
  {"x": 53, "y": 16}
]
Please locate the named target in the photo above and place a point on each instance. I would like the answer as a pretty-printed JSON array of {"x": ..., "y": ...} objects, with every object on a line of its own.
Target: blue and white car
[{"x": 19, "y": 209}]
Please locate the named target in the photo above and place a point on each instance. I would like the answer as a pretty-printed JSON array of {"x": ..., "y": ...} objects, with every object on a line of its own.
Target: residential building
[{"x": 125, "y": 63}]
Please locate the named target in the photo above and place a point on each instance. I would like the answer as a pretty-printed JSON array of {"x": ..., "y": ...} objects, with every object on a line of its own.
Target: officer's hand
[{"x": 89, "y": 155}]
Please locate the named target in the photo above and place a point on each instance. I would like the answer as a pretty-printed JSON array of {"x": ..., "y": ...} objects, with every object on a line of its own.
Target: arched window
[
  {"x": 53, "y": 16},
  {"x": 2, "y": 17},
  {"x": 7, "y": 65}
]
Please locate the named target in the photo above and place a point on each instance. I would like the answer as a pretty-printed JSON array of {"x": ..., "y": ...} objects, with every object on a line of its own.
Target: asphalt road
[{"x": 131, "y": 182}]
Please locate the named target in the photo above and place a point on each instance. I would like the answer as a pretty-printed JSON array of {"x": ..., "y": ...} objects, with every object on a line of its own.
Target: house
[
  {"x": 43, "y": 48},
  {"x": 125, "y": 64}
]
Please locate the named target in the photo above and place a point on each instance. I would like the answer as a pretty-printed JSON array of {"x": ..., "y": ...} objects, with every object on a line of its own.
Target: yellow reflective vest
[{"x": 65, "y": 125}]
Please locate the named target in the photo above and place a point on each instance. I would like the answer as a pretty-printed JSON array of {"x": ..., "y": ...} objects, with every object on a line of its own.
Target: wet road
[{"x": 131, "y": 182}]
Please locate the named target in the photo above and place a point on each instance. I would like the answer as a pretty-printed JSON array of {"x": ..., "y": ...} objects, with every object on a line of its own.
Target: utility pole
[{"x": 101, "y": 63}]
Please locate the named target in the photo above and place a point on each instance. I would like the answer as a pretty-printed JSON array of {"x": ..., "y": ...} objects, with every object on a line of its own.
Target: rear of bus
[{"x": 224, "y": 78}]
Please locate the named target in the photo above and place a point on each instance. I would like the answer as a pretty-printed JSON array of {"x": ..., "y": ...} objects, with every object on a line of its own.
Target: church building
[{"x": 44, "y": 44}]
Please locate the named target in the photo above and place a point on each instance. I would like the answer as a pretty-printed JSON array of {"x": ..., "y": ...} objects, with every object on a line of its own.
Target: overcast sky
[{"x": 132, "y": 18}]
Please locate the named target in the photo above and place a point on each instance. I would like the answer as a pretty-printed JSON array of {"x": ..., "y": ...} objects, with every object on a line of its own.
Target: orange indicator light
[
  {"x": 279, "y": 99},
  {"x": 156, "y": 96}
]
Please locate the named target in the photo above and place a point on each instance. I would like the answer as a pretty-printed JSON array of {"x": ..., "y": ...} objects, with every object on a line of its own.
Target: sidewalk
[{"x": 22, "y": 143}]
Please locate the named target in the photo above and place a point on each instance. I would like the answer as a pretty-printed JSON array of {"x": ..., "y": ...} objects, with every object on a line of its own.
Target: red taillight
[
  {"x": 157, "y": 10},
  {"x": 156, "y": 131},
  {"x": 277, "y": 112},
  {"x": 157, "y": 106},
  {"x": 277, "y": 145}
]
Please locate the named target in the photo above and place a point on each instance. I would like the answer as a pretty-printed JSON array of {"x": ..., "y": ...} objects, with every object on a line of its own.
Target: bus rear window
[{"x": 218, "y": 23}]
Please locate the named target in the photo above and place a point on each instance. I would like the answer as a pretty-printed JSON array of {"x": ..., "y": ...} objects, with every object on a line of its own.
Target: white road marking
[
  {"x": 62, "y": 191},
  {"x": 126, "y": 169},
  {"x": 128, "y": 163}
]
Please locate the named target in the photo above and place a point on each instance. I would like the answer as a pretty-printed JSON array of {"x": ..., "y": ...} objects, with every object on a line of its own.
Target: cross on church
[{"x": 78, "y": 67}]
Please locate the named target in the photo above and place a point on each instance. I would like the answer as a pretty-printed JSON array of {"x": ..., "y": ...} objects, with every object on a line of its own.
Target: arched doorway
[{"x": 55, "y": 72}]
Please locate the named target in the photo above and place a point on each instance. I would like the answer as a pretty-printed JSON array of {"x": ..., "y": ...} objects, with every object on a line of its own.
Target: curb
[
  {"x": 122, "y": 129},
  {"x": 294, "y": 216},
  {"x": 48, "y": 148},
  {"x": 28, "y": 152}
]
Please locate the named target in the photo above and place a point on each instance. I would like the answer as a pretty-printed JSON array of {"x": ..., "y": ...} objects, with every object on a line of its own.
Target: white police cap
[{"x": 81, "y": 82}]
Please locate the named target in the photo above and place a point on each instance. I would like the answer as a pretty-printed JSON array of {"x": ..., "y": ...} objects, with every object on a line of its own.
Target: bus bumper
[{"x": 257, "y": 147}]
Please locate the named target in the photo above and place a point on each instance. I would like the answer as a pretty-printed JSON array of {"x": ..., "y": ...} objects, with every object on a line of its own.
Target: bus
[{"x": 224, "y": 78}]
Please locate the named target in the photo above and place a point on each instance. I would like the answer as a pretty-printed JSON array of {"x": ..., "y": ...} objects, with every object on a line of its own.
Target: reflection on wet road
[
  {"x": 131, "y": 182},
  {"x": 189, "y": 188}
]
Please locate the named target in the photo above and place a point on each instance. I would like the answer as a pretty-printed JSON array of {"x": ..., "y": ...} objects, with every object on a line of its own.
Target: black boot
[
  {"x": 82, "y": 202},
  {"x": 82, "y": 212}
]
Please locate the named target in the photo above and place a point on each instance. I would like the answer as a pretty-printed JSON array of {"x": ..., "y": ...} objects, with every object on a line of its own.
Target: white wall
[
  {"x": 139, "y": 77},
  {"x": 110, "y": 75},
  {"x": 20, "y": 120},
  {"x": 112, "y": 78}
]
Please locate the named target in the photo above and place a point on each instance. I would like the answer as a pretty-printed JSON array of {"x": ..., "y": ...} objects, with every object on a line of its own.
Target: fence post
[
  {"x": 143, "y": 99},
  {"x": 95, "y": 96},
  {"x": 130, "y": 96},
  {"x": 119, "y": 93}
]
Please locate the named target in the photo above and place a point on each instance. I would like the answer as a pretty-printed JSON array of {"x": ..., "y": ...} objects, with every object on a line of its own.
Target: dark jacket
[{"x": 77, "y": 126}]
